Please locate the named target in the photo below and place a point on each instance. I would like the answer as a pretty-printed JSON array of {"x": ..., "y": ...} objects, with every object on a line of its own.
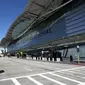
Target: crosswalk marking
[
  {"x": 33, "y": 80},
  {"x": 15, "y": 81},
  {"x": 45, "y": 73},
  {"x": 73, "y": 72},
  {"x": 77, "y": 73},
  {"x": 27, "y": 69},
  {"x": 76, "y": 68},
  {"x": 82, "y": 84},
  {"x": 52, "y": 79},
  {"x": 66, "y": 78}
]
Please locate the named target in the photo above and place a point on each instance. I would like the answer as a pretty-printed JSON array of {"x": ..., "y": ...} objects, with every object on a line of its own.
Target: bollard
[
  {"x": 41, "y": 58},
  {"x": 50, "y": 59},
  {"x": 47, "y": 58}
]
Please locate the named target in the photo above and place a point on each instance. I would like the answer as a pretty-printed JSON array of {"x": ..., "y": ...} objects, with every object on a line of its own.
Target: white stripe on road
[
  {"x": 27, "y": 69},
  {"x": 80, "y": 69},
  {"x": 52, "y": 79},
  {"x": 77, "y": 73},
  {"x": 66, "y": 78},
  {"x": 70, "y": 69},
  {"x": 44, "y": 73},
  {"x": 72, "y": 74},
  {"x": 15, "y": 81},
  {"x": 82, "y": 84},
  {"x": 33, "y": 80}
]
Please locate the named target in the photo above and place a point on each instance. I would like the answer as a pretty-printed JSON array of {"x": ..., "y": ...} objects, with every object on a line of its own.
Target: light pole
[{"x": 78, "y": 50}]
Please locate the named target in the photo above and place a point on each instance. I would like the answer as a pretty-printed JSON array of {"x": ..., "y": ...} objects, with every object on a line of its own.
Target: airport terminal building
[{"x": 48, "y": 24}]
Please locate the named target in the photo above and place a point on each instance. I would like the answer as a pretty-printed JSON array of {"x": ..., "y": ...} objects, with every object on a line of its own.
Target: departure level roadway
[{"x": 29, "y": 72}]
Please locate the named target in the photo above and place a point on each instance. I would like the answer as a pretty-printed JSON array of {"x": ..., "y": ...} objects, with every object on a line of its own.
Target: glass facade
[
  {"x": 75, "y": 21},
  {"x": 56, "y": 27},
  {"x": 20, "y": 28},
  {"x": 73, "y": 52}
]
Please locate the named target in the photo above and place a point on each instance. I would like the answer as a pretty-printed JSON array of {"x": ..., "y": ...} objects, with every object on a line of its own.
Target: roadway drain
[{"x": 1, "y": 71}]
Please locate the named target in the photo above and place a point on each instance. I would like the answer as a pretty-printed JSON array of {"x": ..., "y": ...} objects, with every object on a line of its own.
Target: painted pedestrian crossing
[{"x": 48, "y": 78}]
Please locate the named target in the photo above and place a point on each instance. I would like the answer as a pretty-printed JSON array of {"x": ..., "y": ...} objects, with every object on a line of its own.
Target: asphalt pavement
[{"x": 30, "y": 72}]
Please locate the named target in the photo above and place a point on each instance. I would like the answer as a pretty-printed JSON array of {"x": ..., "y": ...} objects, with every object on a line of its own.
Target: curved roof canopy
[{"x": 35, "y": 10}]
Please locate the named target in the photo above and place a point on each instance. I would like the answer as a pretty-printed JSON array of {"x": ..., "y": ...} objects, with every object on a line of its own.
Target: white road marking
[
  {"x": 83, "y": 77},
  {"x": 70, "y": 69},
  {"x": 82, "y": 84},
  {"x": 33, "y": 80},
  {"x": 52, "y": 79},
  {"x": 27, "y": 69},
  {"x": 78, "y": 70},
  {"x": 15, "y": 81},
  {"x": 66, "y": 78},
  {"x": 44, "y": 73},
  {"x": 23, "y": 76},
  {"x": 72, "y": 75},
  {"x": 77, "y": 73},
  {"x": 13, "y": 63}
]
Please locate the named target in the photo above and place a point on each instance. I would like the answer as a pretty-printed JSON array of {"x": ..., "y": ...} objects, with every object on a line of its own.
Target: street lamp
[{"x": 78, "y": 50}]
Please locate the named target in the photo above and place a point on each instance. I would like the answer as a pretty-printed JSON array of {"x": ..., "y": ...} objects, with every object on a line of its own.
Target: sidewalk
[
  {"x": 65, "y": 60},
  {"x": 75, "y": 62}
]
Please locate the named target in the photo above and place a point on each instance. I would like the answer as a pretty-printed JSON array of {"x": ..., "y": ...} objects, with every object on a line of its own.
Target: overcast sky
[{"x": 9, "y": 10}]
